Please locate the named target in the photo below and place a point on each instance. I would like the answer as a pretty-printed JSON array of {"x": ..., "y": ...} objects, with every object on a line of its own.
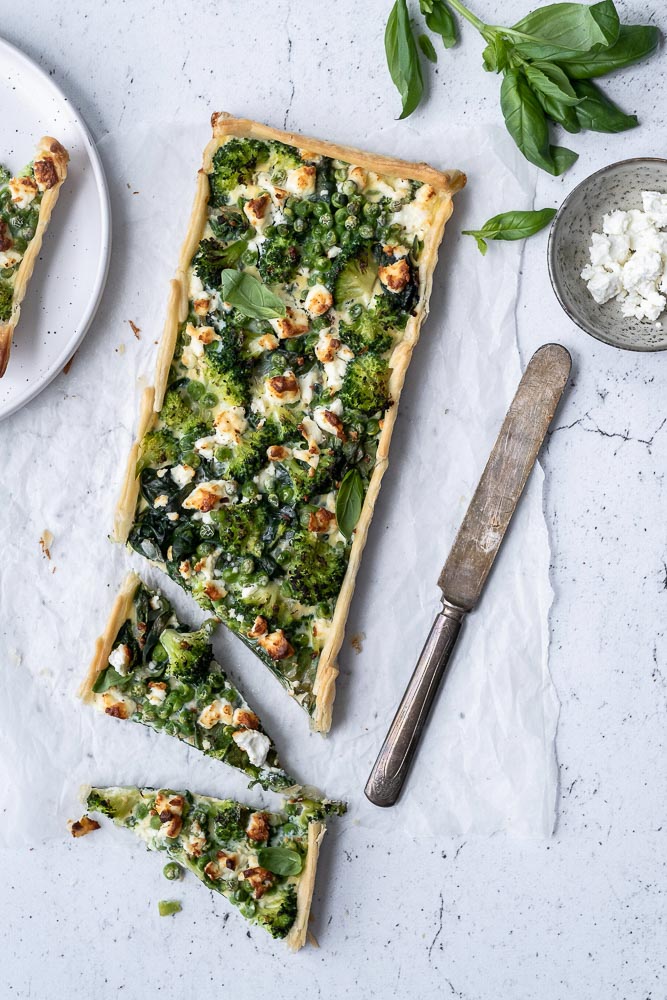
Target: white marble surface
[{"x": 582, "y": 915}]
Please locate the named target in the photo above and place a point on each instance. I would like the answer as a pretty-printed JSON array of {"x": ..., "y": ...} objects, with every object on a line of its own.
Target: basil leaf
[
  {"x": 549, "y": 80},
  {"x": 280, "y": 860},
  {"x": 403, "y": 58},
  {"x": 440, "y": 20},
  {"x": 572, "y": 25},
  {"x": 511, "y": 226},
  {"x": 426, "y": 45},
  {"x": 562, "y": 159},
  {"x": 597, "y": 113},
  {"x": 635, "y": 42},
  {"x": 107, "y": 679},
  {"x": 564, "y": 114},
  {"x": 249, "y": 296},
  {"x": 494, "y": 56},
  {"x": 349, "y": 502},
  {"x": 525, "y": 119}
]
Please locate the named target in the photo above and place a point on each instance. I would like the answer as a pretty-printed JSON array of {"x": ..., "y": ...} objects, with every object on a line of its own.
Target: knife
[{"x": 471, "y": 558}]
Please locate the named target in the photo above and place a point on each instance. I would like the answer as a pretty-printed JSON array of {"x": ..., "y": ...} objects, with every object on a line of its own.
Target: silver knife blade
[{"x": 480, "y": 536}]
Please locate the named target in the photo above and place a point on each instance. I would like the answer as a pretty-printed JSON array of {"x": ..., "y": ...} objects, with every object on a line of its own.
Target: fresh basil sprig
[
  {"x": 511, "y": 226},
  {"x": 349, "y": 502},
  {"x": 543, "y": 58},
  {"x": 247, "y": 294}
]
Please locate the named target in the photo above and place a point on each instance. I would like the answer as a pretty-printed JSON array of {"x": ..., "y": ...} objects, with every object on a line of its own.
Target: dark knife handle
[{"x": 393, "y": 763}]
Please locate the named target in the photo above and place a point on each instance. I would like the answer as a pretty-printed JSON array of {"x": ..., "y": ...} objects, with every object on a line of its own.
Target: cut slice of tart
[
  {"x": 263, "y": 862},
  {"x": 298, "y": 300},
  {"x": 149, "y": 668},
  {"x": 26, "y": 203}
]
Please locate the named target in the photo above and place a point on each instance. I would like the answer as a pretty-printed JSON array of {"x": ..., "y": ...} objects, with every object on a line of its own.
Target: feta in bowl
[{"x": 608, "y": 255}]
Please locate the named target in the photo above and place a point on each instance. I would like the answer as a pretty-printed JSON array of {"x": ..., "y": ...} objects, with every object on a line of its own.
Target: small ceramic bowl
[{"x": 617, "y": 186}]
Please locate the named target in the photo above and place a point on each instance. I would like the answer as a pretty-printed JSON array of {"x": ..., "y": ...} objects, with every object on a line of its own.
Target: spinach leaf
[
  {"x": 511, "y": 226},
  {"x": 109, "y": 678},
  {"x": 635, "y": 42},
  {"x": 439, "y": 20},
  {"x": 249, "y": 296},
  {"x": 572, "y": 26},
  {"x": 280, "y": 860},
  {"x": 349, "y": 502},
  {"x": 426, "y": 45},
  {"x": 597, "y": 113},
  {"x": 403, "y": 58},
  {"x": 525, "y": 119}
]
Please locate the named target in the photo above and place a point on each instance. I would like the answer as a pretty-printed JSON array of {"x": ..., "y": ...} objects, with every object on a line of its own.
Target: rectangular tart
[{"x": 299, "y": 295}]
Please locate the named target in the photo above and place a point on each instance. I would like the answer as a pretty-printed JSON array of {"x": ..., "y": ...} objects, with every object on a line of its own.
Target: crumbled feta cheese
[
  {"x": 161, "y": 501},
  {"x": 219, "y": 710},
  {"x": 119, "y": 658},
  {"x": 629, "y": 259},
  {"x": 182, "y": 475},
  {"x": 256, "y": 745}
]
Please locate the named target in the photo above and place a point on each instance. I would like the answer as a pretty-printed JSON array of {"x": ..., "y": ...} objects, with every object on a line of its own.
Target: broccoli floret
[
  {"x": 158, "y": 448},
  {"x": 306, "y": 485},
  {"x": 371, "y": 330},
  {"x": 303, "y": 810},
  {"x": 227, "y": 369},
  {"x": 283, "y": 158},
  {"x": 250, "y": 453},
  {"x": 277, "y": 911},
  {"x": 6, "y": 297},
  {"x": 233, "y": 164},
  {"x": 314, "y": 569},
  {"x": 230, "y": 821},
  {"x": 365, "y": 385},
  {"x": 212, "y": 257},
  {"x": 177, "y": 414},
  {"x": 240, "y": 528},
  {"x": 229, "y": 225},
  {"x": 189, "y": 653},
  {"x": 279, "y": 257},
  {"x": 99, "y": 803}
]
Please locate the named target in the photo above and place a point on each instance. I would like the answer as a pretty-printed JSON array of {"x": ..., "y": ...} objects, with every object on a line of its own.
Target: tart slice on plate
[
  {"x": 151, "y": 669},
  {"x": 263, "y": 862},
  {"x": 300, "y": 292},
  {"x": 26, "y": 204}
]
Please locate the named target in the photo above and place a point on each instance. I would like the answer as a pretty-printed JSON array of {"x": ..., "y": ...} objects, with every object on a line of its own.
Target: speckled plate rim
[
  {"x": 81, "y": 329},
  {"x": 551, "y": 253}
]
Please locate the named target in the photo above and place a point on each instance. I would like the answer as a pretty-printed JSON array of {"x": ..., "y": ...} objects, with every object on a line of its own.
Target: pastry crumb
[
  {"x": 136, "y": 330},
  {"x": 356, "y": 641},
  {"x": 69, "y": 364},
  {"x": 83, "y": 826},
  {"x": 46, "y": 541}
]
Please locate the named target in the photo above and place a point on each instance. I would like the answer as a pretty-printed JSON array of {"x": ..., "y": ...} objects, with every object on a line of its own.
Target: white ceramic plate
[{"x": 69, "y": 277}]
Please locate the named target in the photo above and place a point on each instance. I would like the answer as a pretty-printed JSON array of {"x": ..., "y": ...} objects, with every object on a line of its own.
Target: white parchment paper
[{"x": 487, "y": 762}]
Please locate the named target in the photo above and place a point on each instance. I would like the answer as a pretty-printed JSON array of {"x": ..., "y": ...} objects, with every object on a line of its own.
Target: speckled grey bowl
[{"x": 617, "y": 186}]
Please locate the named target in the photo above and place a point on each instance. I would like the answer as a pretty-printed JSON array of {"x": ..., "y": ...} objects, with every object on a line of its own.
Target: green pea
[
  {"x": 320, "y": 208},
  {"x": 249, "y": 489},
  {"x": 351, "y": 222},
  {"x": 141, "y": 811},
  {"x": 331, "y": 237},
  {"x": 196, "y": 389},
  {"x": 299, "y": 225},
  {"x": 338, "y": 199},
  {"x": 372, "y": 427},
  {"x": 349, "y": 188},
  {"x": 248, "y": 908},
  {"x": 371, "y": 210},
  {"x": 302, "y": 209},
  {"x": 210, "y": 399},
  {"x": 250, "y": 256},
  {"x": 156, "y": 822},
  {"x": 340, "y": 173},
  {"x": 340, "y": 216},
  {"x": 366, "y": 232},
  {"x": 191, "y": 458},
  {"x": 159, "y": 653},
  {"x": 322, "y": 610},
  {"x": 273, "y": 500},
  {"x": 172, "y": 871}
]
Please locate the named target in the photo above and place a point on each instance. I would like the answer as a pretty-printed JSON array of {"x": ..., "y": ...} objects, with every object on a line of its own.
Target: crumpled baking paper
[{"x": 487, "y": 760}]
